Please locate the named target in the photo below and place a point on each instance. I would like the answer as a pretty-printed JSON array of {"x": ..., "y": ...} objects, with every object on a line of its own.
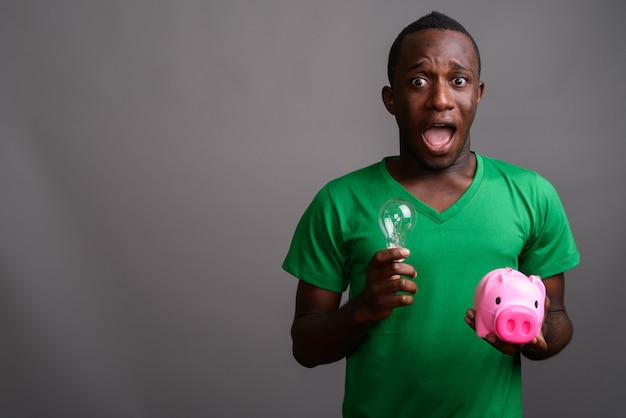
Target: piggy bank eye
[
  {"x": 497, "y": 301},
  {"x": 536, "y": 304}
]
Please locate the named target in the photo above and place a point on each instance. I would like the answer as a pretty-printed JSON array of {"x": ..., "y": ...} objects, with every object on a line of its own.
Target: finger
[
  {"x": 378, "y": 271},
  {"x": 387, "y": 303},
  {"x": 396, "y": 269},
  {"x": 501, "y": 345},
  {"x": 399, "y": 285},
  {"x": 540, "y": 342},
  {"x": 384, "y": 257},
  {"x": 403, "y": 300},
  {"x": 471, "y": 313},
  {"x": 470, "y": 318}
]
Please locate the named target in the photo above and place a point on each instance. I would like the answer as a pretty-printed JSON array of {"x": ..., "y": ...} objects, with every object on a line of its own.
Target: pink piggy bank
[{"x": 509, "y": 304}]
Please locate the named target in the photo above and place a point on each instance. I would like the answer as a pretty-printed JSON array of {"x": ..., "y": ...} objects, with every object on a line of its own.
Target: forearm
[
  {"x": 323, "y": 332},
  {"x": 557, "y": 331},
  {"x": 327, "y": 337}
]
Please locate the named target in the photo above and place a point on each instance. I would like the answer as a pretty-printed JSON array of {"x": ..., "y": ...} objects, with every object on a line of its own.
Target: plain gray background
[{"x": 156, "y": 156}]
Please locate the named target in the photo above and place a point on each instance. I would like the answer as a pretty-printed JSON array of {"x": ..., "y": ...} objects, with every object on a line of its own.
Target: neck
[{"x": 438, "y": 189}]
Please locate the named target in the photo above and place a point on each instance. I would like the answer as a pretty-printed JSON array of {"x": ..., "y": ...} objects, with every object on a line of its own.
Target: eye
[
  {"x": 418, "y": 82},
  {"x": 459, "y": 81},
  {"x": 498, "y": 301},
  {"x": 536, "y": 304}
]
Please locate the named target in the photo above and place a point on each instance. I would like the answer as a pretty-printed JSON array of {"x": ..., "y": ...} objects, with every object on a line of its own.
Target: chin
[{"x": 441, "y": 162}]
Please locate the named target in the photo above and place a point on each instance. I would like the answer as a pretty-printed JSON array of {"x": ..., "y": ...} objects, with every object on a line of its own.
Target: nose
[
  {"x": 440, "y": 97},
  {"x": 517, "y": 324}
]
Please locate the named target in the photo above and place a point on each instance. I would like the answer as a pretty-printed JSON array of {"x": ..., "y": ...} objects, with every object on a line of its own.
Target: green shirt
[{"x": 424, "y": 360}]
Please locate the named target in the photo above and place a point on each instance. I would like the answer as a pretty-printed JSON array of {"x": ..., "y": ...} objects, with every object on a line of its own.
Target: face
[{"x": 434, "y": 97}]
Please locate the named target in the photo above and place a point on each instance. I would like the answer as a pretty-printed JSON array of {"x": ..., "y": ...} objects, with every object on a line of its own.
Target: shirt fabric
[{"x": 424, "y": 361}]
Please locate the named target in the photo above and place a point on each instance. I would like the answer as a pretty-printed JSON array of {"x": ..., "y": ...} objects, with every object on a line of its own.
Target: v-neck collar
[{"x": 449, "y": 213}]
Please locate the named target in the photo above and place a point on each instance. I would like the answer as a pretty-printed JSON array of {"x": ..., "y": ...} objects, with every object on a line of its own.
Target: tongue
[{"x": 438, "y": 136}]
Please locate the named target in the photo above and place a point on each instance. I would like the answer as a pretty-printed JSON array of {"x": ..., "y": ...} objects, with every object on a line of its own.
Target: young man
[{"x": 410, "y": 353}]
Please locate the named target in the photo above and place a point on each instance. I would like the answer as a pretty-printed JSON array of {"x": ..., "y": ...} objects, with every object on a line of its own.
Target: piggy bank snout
[{"x": 517, "y": 324}]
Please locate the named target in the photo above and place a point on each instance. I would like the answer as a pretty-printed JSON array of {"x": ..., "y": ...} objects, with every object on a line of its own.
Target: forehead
[{"x": 440, "y": 46}]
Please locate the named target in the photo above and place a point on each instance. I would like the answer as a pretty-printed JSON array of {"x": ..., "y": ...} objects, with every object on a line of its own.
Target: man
[{"x": 409, "y": 353}]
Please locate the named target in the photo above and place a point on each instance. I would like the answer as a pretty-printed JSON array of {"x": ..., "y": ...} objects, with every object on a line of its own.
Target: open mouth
[{"x": 438, "y": 137}]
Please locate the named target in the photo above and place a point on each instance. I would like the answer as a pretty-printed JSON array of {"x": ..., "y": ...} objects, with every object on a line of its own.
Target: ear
[
  {"x": 387, "y": 94},
  {"x": 481, "y": 89}
]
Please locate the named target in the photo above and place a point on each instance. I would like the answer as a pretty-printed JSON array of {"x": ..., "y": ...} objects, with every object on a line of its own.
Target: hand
[
  {"x": 384, "y": 280},
  {"x": 538, "y": 344}
]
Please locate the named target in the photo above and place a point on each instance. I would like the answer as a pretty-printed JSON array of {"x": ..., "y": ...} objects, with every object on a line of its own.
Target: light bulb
[{"x": 397, "y": 218}]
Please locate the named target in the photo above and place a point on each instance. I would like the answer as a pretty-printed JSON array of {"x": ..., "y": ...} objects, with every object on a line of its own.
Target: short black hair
[{"x": 433, "y": 20}]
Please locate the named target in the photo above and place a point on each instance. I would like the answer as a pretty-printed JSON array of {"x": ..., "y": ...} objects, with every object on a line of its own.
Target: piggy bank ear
[
  {"x": 495, "y": 279},
  {"x": 538, "y": 283}
]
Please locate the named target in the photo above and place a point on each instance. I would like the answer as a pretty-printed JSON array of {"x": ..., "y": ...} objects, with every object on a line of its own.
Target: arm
[
  {"x": 322, "y": 332},
  {"x": 556, "y": 331}
]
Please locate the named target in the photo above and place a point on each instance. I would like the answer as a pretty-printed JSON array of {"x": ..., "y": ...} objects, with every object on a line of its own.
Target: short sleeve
[
  {"x": 551, "y": 248},
  {"x": 318, "y": 253}
]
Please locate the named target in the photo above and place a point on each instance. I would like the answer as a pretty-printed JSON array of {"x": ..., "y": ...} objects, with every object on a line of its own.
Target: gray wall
[{"x": 155, "y": 157}]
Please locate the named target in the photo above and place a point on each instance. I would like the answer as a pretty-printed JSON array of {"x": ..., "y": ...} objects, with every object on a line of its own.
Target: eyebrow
[
  {"x": 453, "y": 64},
  {"x": 460, "y": 67},
  {"x": 416, "y": 66}
]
